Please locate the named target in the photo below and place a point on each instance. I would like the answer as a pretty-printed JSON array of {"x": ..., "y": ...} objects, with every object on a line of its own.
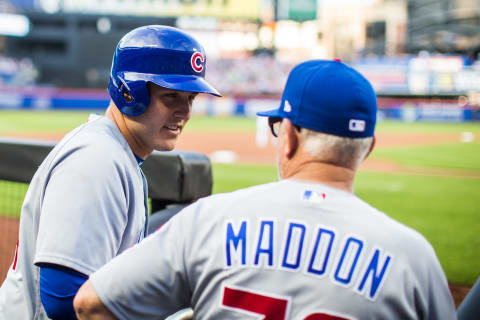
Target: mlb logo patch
[
  {"x": 314, "y": 196},
  {"x": 356, "y": 125}
]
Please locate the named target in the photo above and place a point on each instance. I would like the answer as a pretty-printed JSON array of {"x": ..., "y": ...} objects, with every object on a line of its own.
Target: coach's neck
[{"x": 294, "y": 162}]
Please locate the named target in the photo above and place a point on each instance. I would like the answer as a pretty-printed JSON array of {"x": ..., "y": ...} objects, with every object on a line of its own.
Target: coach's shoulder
[
  {"x": 412, "y": 241},
  {"x": 242, "y": 194},
  {"x": 243, "y": 201}
]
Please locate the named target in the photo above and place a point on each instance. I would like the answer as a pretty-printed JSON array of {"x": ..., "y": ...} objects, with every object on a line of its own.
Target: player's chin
[{"x": 166, "y": 145}]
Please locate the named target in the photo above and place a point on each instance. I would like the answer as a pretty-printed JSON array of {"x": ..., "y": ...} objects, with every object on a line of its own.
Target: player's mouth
[{"x": 174, "y": 128}]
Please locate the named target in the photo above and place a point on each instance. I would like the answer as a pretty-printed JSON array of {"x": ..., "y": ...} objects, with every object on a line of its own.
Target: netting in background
[{"x": 11, "y": 199}]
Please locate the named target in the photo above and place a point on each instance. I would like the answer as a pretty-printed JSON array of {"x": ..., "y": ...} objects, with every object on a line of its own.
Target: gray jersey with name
[
  {"x": 85, "y": 204},
  {"x": 285, "y": 250}
]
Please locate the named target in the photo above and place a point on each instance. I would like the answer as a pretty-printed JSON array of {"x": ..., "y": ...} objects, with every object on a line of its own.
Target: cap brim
[
  {"x": 187, "y": 83},
  {"x": 269, "y": 113}
]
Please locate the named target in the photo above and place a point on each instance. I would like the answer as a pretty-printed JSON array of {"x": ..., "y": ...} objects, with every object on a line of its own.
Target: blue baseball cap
[{"x": 330, "y": 97}]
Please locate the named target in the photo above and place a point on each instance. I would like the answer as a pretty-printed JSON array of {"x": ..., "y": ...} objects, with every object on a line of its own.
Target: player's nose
[{"x": 183, "y": 107}]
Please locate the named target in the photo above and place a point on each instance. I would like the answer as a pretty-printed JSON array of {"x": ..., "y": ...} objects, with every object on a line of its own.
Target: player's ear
[{"x": 290, "y": 138}]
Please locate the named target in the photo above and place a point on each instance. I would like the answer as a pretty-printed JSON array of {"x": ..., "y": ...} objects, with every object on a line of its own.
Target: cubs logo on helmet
[{"x": 197, "y": 61}]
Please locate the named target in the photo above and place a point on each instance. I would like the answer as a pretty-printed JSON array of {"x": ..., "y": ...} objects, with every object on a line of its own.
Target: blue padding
[
  {"x": 78, "y": 103},
  {"x": 58, "y": 287}
]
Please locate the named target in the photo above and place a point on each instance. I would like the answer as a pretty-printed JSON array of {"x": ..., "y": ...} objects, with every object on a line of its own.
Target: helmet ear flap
[{"x": 130, "y": 97}]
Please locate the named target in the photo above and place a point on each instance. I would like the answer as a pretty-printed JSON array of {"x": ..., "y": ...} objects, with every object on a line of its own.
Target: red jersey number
[{"x": 271, "y": 308}]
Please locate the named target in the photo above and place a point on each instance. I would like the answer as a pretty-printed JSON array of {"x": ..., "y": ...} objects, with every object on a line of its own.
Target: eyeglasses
[{"x": 274, "y": 123}]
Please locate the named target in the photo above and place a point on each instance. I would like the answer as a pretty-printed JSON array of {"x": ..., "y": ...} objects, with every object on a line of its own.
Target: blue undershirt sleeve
[{"x": 58, "y": 287}]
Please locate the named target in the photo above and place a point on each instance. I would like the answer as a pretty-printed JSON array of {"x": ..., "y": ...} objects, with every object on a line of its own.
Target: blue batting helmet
[{"x": 162, "y": 55}]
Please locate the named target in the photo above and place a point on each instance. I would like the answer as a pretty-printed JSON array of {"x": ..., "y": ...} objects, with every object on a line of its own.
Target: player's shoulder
[
  {"x": 97, "y": 145},
  {"x": 100, "y": 132},
  {"x": 98, "y": 135}
]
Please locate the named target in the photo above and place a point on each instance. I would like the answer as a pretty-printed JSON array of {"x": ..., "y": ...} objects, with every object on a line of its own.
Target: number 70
[{"x": 271, "y": 308}]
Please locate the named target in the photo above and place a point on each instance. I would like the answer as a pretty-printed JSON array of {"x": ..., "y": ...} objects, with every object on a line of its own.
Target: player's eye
[{"x": 172, "y": 95}]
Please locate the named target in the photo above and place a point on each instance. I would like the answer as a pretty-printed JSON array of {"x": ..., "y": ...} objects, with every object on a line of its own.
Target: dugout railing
[{"x": 175, "y": 179}]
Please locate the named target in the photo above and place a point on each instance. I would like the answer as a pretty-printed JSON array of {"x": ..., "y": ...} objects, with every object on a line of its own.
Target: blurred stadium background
[{"x": 422, "y": 56}]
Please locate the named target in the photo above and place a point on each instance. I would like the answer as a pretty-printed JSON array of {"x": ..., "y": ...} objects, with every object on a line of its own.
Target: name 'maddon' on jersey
[{"x": 344, "y": 259}]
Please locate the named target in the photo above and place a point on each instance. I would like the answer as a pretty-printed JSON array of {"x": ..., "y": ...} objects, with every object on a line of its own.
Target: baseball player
[
  {"x": 302, "y": 248},
  {"x": 88, "y": 200}
]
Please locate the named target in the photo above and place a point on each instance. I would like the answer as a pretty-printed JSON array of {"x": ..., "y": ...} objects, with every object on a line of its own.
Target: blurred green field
[
  {"x": 40, "y": 121},
  {"x": 446, "y": 210},
  {"x": 47, "y": 121},
  {"x": 12, "y": 122},
  {"x": 460, "y": 156}
]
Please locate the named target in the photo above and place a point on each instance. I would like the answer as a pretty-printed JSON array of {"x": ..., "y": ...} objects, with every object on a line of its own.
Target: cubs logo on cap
[{"x": 197, "y": 61}]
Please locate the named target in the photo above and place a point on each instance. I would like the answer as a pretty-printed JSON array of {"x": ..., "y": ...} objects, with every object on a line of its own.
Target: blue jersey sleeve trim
[{"x": 58, "y": 287}]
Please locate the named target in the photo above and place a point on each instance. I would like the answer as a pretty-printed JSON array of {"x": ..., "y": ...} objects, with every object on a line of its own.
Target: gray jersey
[
  {"x": 285, "y": 250},
  {"x": 85, "y": 204}
]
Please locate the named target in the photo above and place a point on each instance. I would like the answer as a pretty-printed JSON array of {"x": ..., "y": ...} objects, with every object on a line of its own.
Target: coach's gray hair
[{"x": 341, "y": 151}]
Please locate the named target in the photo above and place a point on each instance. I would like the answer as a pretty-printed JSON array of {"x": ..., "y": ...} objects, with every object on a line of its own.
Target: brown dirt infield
[
  {"x": 243, "y": 144},
  {"x": 8, "y": 240}
]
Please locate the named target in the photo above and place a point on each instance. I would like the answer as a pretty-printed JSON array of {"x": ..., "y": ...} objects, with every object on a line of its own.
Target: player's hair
[{"x": 340, "y": 151}]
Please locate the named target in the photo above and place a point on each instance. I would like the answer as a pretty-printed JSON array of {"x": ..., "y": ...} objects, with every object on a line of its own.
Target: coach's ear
[
  {"x": 372, "y": 145},
  {"x": 290, "y": 138}
]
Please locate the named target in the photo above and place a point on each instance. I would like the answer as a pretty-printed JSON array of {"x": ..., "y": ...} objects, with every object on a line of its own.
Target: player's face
[{"x": 161, "y": 124}]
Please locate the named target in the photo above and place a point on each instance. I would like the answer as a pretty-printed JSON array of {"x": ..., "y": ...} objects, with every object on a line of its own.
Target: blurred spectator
[
  {"x": 264, "y": 75},
  {"x": 254, "y": 75},
  {"x": 6, "y": 7},
  {"x": 15, "y": 72}
]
